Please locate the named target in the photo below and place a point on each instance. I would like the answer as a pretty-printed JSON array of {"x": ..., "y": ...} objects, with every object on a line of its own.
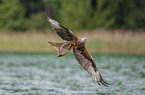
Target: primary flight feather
[{"x": 79, "y": 50}]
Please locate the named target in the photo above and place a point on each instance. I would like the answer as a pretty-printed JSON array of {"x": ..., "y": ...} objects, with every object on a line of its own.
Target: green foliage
[
  {"x": 116, "y": 14},
  {"x": 32, "y": 6},
  {"x": 74, "y": 14},
  {"x": 54, "y": 4},
  {"x": 135, "y": 14},
  {"x": 37, "y": 22},
  {"x": 12, "y": 15}
]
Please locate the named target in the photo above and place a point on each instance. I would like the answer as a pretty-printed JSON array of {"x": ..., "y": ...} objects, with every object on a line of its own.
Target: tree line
[{"x": 26, "y": 15}]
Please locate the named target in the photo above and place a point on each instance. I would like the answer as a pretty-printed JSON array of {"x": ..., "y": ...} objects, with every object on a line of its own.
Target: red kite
[{"x": 79, "y": 50}]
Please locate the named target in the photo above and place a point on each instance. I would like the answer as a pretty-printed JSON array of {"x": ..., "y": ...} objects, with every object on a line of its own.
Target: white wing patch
[
  {"x": 54, "y": 23},
  {"x": 95, "y": 75}
]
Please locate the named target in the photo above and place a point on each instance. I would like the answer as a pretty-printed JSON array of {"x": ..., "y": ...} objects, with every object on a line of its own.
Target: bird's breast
[{"x": 79, "y": 44}]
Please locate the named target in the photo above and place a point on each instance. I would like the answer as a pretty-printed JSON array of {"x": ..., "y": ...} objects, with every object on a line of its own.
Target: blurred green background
[
  {"x": 114, "y": 26},
  {"x": 26, "y": 15}
]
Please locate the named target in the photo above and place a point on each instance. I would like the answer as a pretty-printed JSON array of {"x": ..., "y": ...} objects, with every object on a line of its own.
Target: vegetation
[
  {"x": 114, "y": 42},
  {"x": 24, "y": 15}
]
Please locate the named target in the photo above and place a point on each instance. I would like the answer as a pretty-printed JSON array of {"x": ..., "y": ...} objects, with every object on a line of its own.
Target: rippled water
[{"x": 45, "y": 74}]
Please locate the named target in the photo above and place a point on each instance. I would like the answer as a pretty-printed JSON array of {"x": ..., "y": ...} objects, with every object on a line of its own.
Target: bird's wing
[
  {"x": 63, "y": 32},
  {"x": 86, "y": 61}
]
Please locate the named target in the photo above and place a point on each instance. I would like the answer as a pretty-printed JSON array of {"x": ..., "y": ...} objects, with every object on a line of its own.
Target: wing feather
[
  {"x": 86, "y": 61},
  {"x": 63, "y": 32}
]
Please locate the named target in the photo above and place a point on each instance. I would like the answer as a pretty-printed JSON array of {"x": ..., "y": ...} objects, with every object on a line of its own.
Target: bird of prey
[{"x": 79, "y": 50}]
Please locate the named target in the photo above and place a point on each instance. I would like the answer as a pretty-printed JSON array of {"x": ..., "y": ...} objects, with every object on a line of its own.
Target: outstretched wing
[
  {"x": 87, "y": 62},
  {"x": 63, "y": 32}
]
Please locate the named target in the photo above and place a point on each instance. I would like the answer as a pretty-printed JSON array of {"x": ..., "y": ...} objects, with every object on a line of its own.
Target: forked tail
[{"x": 62, "y": 48}]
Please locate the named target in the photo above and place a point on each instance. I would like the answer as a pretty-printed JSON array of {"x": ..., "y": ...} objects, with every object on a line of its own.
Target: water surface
[{"x": 46, "y": 74}]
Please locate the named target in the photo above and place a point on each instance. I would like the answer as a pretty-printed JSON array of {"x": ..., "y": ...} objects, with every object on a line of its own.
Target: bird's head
[{"x": 83, "y": 40}]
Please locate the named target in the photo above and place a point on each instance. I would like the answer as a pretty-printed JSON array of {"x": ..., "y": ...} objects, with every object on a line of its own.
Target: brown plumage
[{"x": 79, "y": 50}]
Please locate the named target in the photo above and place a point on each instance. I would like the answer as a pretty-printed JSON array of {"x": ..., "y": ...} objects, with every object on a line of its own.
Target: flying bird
[{"x": 79, "y": 50}]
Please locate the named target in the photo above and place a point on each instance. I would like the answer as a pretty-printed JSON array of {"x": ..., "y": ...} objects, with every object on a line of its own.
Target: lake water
[{"x": 46, "y": 74}]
